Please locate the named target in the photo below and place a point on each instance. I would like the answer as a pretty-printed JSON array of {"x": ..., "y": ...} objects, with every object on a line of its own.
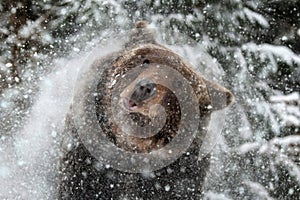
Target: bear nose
[{"x": 143, "y": 90}]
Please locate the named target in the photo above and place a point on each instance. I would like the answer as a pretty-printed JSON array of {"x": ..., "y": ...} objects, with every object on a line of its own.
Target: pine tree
[{"x": 256, "y": 44}]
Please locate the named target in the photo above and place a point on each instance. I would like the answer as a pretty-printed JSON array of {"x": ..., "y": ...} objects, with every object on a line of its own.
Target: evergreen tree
[{"x": 255, "y": 42}]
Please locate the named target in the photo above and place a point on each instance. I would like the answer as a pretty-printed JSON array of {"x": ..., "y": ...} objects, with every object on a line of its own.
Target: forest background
[{"x": 257, "y": 46}]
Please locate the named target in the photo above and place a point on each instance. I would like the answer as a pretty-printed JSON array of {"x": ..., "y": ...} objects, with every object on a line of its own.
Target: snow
[
  {"x": 242, "y": 64},
  {"x": 254, "y": 127},
  {"x": 294, "y": 96},
  {"x": 280, "y": 149},
  {"x": 247, "y": 147},
  {"x": 273, "y": 52},
  {"x": 279, "y": 146},
  {"x": 4, "y": 171},
  {"x": 265, "y": 110},
  {"x": 284, "y": 141},
  {"x": 31, "y": 28},
  {"x": 215, "y": 196},
  {"x": 8, "y": 65},
  {"x": 34, "y": 149},
  {"x": 292, "y": 167},
  {"x": 287, "y": 107},
  {"x": 13, "y": 10},
  {"x": 167, "y": 188},
  {"x": 255, "y": 17},
  {"x": 258, "y": 189},
  {"x": 33, "y": 153}
]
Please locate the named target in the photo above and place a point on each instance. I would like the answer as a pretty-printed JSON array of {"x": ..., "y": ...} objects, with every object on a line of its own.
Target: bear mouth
[{"x": 130, "y": 104}]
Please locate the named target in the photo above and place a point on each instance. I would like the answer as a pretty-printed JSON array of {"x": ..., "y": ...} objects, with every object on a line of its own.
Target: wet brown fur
[{"x": 83, "y": 177}]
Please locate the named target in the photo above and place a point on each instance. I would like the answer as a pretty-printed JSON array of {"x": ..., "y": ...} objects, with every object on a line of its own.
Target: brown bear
[{"x": 144, "y": 110}]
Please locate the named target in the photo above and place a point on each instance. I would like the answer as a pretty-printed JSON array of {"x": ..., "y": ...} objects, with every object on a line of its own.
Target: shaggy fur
[{"x": 83, "y": 177}]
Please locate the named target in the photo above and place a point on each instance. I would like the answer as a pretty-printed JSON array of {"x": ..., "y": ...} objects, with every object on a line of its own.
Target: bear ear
[
  {"x": 142, "y": 34},
  {"x": 220, "y": 96}
]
